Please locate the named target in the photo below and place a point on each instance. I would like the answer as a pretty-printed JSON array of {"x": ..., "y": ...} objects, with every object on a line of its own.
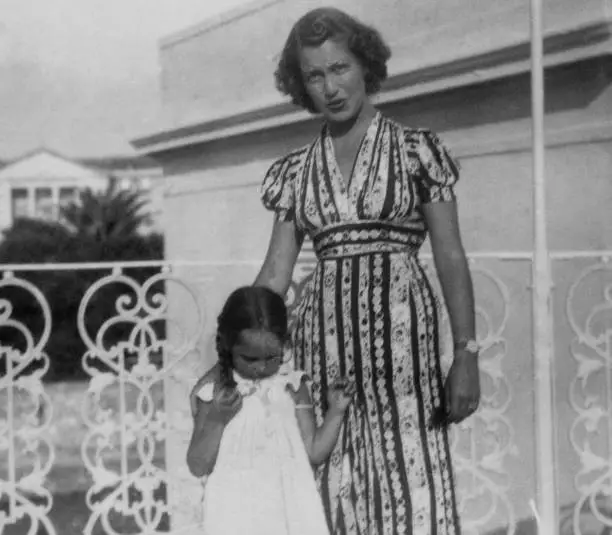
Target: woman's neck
[{"x": 355, "y": 126}]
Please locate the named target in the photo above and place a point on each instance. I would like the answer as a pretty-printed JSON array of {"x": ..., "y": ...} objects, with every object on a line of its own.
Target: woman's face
[{"x": 334, "y": 79}]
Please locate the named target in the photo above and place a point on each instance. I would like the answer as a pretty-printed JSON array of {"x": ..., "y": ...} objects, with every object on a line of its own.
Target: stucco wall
[
  {"x": 213, "y": 189},
  {"x": 213, "y": 213},
  {"x": 226, "y": 65}
]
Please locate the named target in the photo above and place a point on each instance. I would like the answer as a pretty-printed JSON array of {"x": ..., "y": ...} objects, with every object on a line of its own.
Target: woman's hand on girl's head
[{"x": 341, "y": 394}]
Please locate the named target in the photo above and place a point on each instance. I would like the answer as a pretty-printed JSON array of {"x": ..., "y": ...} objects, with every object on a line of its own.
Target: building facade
[
  {"x": 39, "y": 183},
  {"x": 461, "y": 68}
]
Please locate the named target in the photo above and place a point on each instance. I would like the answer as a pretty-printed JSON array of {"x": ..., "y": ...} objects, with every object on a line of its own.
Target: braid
[{"x": 225, "y": 363}]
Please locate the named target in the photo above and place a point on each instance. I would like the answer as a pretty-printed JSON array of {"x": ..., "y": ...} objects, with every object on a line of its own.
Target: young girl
[{"x": 254, "y": 434}]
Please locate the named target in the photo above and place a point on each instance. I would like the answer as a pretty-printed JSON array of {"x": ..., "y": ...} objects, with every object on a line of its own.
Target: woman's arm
[
  {"x": 462, "y": 387},
  {"x": 321, "y": 441},
  {"x": 284, "y": 247},
  {"x": 452, "y": 267}
]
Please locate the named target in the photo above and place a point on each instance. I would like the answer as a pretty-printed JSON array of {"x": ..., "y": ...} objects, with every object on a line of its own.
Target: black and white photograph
[{"x": 305, "y": 267}]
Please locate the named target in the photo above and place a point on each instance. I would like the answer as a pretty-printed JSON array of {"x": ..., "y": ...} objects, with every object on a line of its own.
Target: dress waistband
[{"x": 365, "y": 239}]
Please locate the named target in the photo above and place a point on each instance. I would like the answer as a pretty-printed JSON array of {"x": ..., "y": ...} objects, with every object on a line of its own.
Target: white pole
[{"x": 541, "y": 273}]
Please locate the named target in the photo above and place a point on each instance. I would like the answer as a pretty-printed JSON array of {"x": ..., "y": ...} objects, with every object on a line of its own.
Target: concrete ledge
[
  {"x": 213, "y": 23},
  {"x": 561, "y": 47}
]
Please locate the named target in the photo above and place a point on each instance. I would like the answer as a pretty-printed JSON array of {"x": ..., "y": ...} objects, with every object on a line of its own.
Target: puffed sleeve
[
  {"x": 438, "y": 171},
  {"x": 278, "y": 188}
]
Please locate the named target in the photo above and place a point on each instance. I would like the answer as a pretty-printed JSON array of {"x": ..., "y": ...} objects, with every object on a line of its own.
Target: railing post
[{"x": 542, "y": 284}]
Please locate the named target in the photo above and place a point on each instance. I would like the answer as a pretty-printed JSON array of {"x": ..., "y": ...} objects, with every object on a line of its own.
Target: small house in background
[{"x": 38, "y": 184}]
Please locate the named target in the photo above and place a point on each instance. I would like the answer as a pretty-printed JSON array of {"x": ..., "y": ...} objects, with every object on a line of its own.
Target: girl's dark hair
[
  {"x": 249, "y": 307},
  {"x": 316, "y": 27}
]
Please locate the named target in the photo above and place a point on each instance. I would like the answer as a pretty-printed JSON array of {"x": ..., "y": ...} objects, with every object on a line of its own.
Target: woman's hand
[
  {"x": 462, "y": 387},
  {"x": 340, "y": 395}
]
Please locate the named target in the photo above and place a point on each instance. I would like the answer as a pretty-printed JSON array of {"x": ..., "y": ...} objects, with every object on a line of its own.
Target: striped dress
[{"x": 369, "y": 312}]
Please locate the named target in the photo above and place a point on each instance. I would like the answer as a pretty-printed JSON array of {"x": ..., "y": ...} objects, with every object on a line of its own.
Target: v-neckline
[{"x": 350, "y": 189}]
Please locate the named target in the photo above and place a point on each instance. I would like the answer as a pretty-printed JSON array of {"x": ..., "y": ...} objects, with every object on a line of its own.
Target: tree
[
  {"x": 103, "y": 227},
  {"x": 112, "y": 214}
]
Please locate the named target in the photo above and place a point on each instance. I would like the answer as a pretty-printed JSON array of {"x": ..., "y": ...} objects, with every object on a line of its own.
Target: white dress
[{"x": 263, "y": 483}]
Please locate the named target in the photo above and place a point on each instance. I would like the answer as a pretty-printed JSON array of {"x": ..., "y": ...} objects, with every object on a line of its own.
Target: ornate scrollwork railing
[
  {"x": 140, "y": 347},
  {"x": 124, "y": 449},
  {"x": 25, "y": 411},
  {"x": 483, "y": 443},
  {"x": 590, "y": 396}
]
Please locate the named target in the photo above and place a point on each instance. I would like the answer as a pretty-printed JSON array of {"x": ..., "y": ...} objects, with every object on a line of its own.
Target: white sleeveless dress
[{"x": 263, "y": 483}]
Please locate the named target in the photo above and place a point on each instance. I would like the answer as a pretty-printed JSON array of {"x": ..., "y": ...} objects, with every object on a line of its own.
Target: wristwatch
[{"x": 469, "y": 345}]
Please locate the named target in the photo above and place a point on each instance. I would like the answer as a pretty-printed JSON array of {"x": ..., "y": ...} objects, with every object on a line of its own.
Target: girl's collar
[{"x": 248, "y": 386}]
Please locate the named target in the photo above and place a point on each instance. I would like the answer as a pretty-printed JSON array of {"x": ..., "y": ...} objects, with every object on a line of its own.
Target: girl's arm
[
  {"x": 320, "y": 441},
  {"x": 210, "y": 421},
  {"x": 205, "y": 440}
]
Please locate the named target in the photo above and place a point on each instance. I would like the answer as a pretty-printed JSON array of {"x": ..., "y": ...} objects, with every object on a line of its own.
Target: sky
[{"x": 81, "y": 77}]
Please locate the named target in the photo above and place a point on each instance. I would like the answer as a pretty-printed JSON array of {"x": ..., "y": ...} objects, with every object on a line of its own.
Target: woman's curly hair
[{"x": 316, "y": 27}]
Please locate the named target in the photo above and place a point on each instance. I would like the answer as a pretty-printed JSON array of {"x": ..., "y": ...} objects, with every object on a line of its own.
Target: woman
[{"x": 368, "y": 191}]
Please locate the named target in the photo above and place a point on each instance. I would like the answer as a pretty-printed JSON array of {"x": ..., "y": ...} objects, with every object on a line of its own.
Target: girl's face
[
  {"x": 257, "y": 354},
  {"x": 334, "y": 80}
]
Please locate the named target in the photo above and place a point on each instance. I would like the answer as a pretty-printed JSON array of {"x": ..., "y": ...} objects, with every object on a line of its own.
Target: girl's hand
[
  {"x": 193, "y": 395},
  {"x": 227, "y": 402},
  {"x": 340, "y": 395}
]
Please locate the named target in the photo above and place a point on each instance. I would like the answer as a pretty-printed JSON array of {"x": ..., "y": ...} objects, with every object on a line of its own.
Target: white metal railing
[
  {"x": 136, "y": 420},
  {"x": 590, "y": 393},
  {"x": 139, "y": 430},
  {"x": 22, "y": 434}
]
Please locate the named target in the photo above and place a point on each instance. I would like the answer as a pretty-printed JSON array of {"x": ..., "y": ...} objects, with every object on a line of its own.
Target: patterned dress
[{"x": 369, "y": 312}]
